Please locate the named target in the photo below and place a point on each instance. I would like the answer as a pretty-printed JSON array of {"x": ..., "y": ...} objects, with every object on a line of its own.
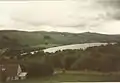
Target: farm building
[{"x": 11, "y": 71}]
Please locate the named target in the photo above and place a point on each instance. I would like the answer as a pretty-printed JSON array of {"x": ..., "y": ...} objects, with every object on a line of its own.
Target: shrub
[{"x": 37, "y": 69}]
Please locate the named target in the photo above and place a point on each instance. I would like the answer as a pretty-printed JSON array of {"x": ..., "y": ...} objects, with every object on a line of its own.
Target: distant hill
[{"x": 49, "y": 39}]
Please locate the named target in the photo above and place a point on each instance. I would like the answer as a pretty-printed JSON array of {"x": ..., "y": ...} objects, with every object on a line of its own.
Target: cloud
[
  {"x": 61, "y": 15},
  {"x": 1, "y": 25},
  {"x": 110, "y": 3},
  {"x": 112, "y": 7},
  {"x": 67, "y": 13}
]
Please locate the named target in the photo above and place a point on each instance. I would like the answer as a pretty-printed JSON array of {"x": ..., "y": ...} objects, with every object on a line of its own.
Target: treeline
[
  {"x": 37, "y": 69},
  {"x": 98, "y": 58}
]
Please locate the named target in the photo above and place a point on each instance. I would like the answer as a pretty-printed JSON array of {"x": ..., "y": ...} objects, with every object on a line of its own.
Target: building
[{"x": 11, "y": 71}]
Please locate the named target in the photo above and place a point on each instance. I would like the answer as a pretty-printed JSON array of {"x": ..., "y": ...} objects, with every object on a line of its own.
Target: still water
[{"x": 73, "y": 46}]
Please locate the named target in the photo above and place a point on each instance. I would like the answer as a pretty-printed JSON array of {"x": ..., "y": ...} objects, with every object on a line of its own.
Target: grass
[{"x": 75, "y": 76}]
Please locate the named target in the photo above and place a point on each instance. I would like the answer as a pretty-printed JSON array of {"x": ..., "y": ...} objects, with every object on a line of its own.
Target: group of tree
[{"x": 98, "y": 58}]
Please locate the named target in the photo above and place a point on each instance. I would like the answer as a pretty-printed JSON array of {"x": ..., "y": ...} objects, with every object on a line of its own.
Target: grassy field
[{"x": 74, "y": 76}]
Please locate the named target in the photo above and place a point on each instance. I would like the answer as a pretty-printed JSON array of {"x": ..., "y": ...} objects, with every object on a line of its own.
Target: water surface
[{"x": 73, "y": 46}]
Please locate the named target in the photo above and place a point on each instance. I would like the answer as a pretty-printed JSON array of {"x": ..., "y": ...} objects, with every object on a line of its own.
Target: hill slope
[{"x": 49, "y": 39}]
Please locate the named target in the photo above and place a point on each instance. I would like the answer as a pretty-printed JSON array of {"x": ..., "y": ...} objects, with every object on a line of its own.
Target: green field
[{"x": 74, "y": 76}]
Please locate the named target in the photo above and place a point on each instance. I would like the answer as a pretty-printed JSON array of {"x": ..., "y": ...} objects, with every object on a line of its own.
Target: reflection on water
[{"x": 73, "y": 46}]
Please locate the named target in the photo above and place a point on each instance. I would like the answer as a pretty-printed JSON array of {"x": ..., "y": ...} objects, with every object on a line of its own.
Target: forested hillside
[{"x": 50, "y": 39}]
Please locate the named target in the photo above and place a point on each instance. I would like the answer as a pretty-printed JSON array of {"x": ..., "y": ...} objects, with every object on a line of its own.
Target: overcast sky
[{"x": 61, "y": 15}]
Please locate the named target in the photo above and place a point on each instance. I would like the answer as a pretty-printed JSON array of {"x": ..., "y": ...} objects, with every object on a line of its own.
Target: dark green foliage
[
  {"x": 56, "y": 61},
  {"x": 98, "y": 58},
  {"x": 3, "y": 77},
  {"x": 47, "y": 37},
  {"x": 36, "y": 69},
  {"x": 68, "y": 61},
  {"x": 6, "y": 42}
]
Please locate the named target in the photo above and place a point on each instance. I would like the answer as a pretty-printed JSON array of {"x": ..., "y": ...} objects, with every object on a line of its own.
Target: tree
[
  {"x": 37, "y": 69},
  {"x": 47, "y": 37}
]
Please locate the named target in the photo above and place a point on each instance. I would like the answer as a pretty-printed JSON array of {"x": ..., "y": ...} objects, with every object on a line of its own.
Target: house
[{"x": 11, "y": 71}]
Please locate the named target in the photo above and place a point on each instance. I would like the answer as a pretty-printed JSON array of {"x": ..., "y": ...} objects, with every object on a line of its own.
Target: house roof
[
  {"x": 10, "y": 66},
  {"x": 9, "y": 69},
  {"x": 23, "y": 74}
]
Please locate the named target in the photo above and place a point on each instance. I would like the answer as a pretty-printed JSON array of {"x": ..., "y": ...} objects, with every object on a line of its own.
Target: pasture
[{"x": 75, "y": 76}]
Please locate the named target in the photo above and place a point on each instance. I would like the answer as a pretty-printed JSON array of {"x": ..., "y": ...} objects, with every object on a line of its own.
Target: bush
[{"x": 37, "y": 69}]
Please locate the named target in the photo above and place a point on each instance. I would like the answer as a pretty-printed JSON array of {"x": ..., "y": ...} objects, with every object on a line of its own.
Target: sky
[{"x": 75, "y": 16}]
